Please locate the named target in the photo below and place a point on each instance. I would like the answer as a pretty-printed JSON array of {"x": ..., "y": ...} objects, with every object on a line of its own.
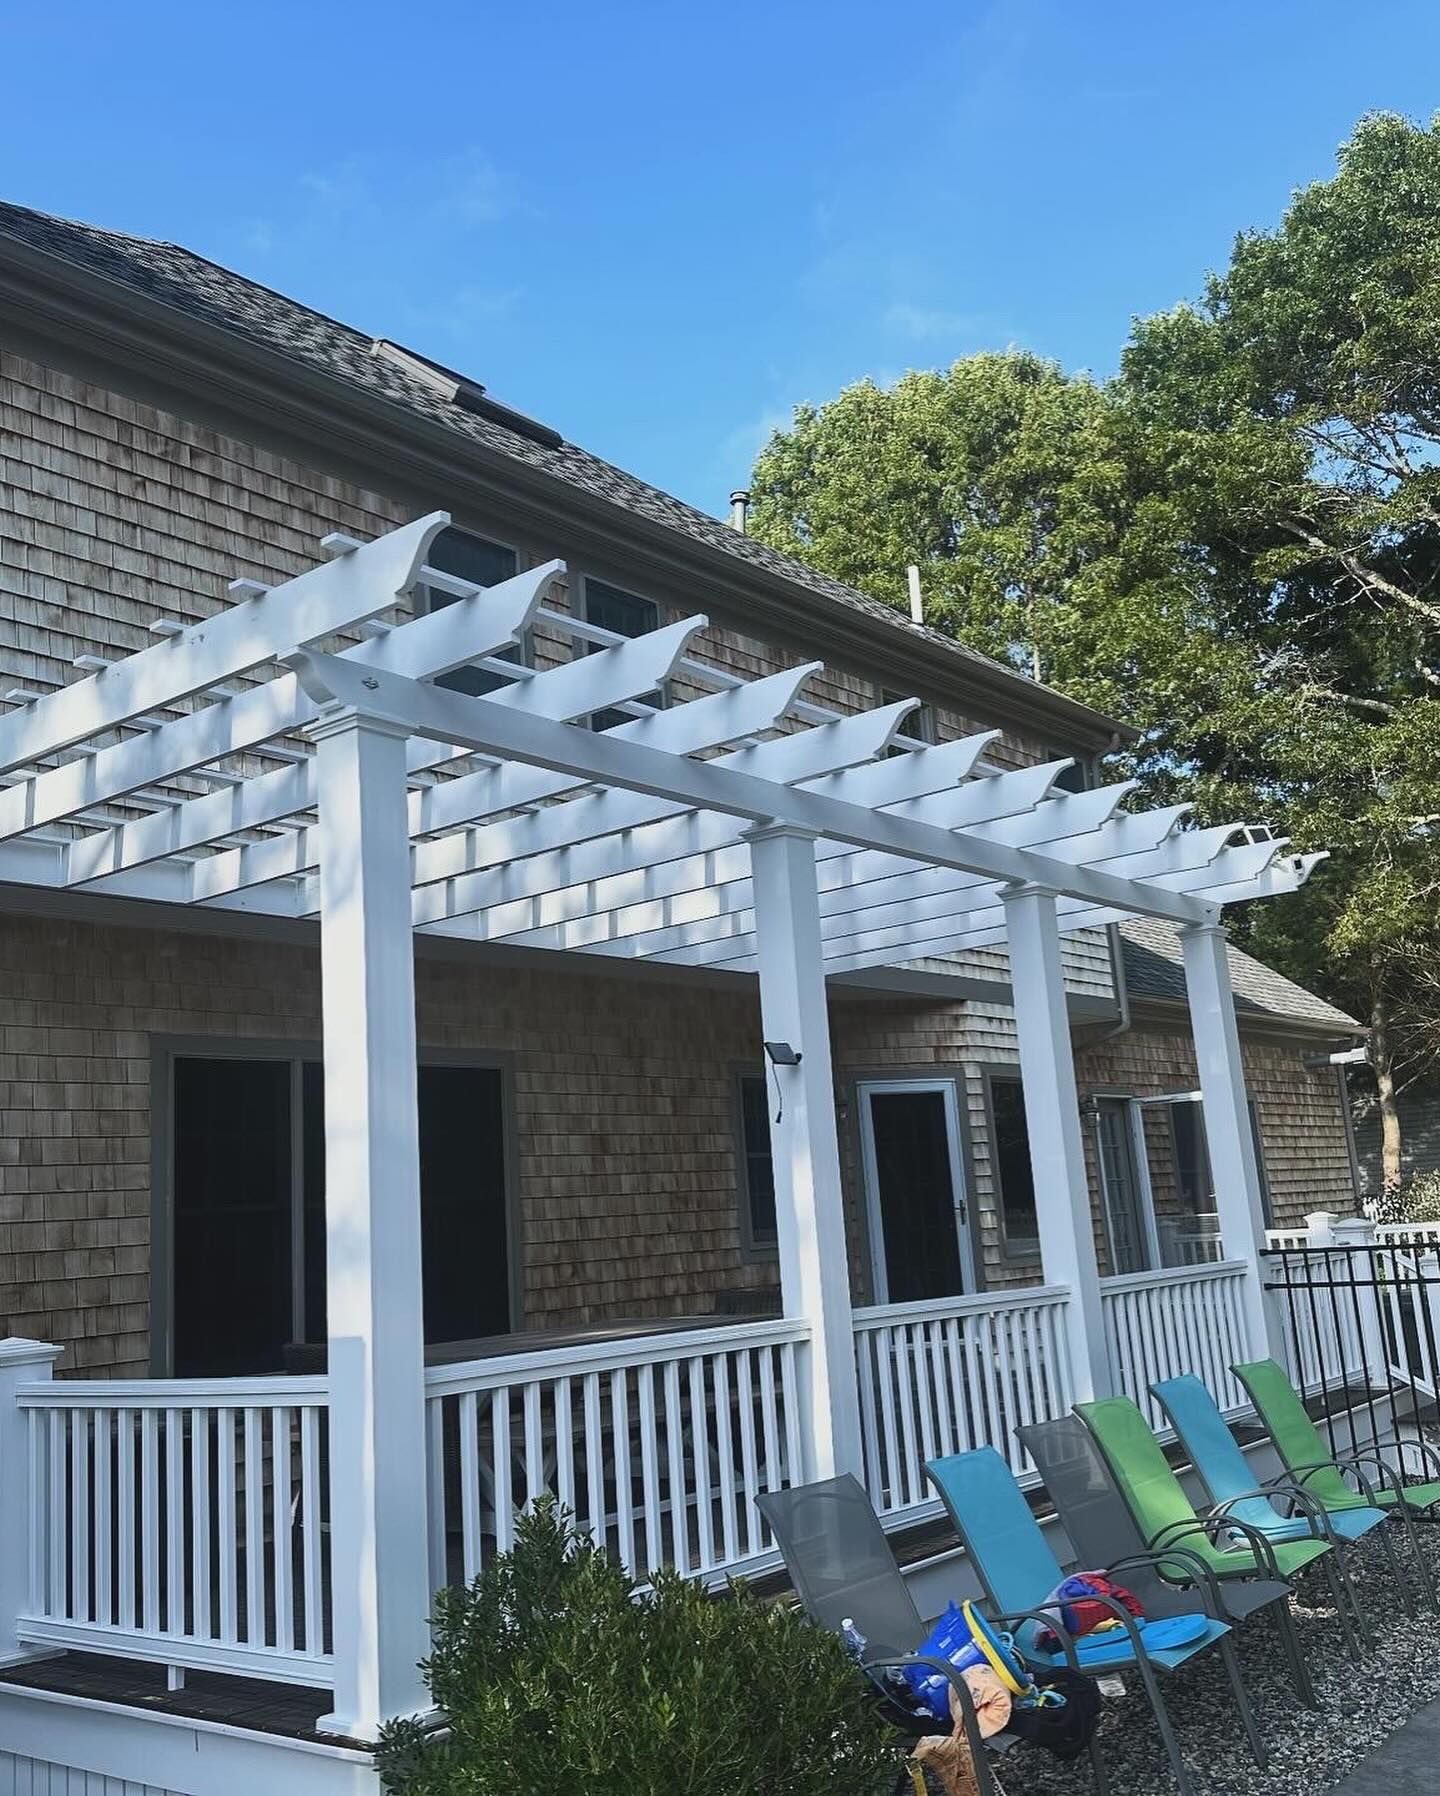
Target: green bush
[
  {"x": 1420, "y": 1200},
  {"x": 557, "y": 1674}
]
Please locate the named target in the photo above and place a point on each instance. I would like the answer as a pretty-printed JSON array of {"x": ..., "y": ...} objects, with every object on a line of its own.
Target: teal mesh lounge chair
[
  {"x": 1018, "y": 1571},
  {"x": 1225, "y": 1472}
]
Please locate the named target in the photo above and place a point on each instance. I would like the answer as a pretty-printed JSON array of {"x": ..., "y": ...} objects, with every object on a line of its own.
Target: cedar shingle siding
[{"x": 623, "y": 1090}]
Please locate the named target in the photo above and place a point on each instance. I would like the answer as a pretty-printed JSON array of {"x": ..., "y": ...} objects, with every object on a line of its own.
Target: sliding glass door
[{"x": 242, "y": 1171}]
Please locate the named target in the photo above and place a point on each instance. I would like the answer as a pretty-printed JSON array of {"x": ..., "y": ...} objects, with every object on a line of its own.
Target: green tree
[{"x": 1233, "y": 546}]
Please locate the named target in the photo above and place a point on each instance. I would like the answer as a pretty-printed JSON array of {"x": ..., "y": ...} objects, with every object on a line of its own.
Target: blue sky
[{"x": 659, "y": 227}]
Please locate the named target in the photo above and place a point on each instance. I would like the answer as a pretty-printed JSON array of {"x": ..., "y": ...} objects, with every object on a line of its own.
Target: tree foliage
[{"x": 1233, "y": 546}]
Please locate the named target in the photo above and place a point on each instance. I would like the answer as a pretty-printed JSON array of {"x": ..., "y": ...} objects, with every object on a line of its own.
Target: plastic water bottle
[{"x": 854, "y": 1640}]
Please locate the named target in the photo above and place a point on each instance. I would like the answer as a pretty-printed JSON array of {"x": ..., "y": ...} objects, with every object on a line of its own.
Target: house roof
[
  {"x": 177, "y": 278},
  {"x": 1154, "y": 969}
]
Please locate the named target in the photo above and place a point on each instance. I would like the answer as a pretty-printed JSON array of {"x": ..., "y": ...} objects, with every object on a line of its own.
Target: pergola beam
[{"x": 481, "y": 724}]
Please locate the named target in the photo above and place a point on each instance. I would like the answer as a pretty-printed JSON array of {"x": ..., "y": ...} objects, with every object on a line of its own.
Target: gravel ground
[{"x": 1310, "y": 1751}]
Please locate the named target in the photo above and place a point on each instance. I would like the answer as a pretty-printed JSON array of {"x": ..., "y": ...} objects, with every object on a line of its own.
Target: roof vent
[{"x": 469, "y": 395}]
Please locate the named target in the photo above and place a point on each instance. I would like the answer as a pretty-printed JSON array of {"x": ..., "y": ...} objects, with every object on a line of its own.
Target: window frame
[
  {"x": 754, "y": 1248},
  {"x": 580, "y": 605},
  {"x": 526, "y": 646},
  {"x": 1140, "y": 1160},
  {"x": 1027, "y": 1253},
  {"x": 928, "y": 731},
  {"x": 165, "y": 1050}
]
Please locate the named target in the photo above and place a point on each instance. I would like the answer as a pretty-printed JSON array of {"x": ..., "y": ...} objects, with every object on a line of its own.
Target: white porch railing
[
  {"x": 182, "y": 1521},
  {"x": 658, "y": 1445},
  {"x": 1177, "y": 1320},
  {"x": 945, "y": 1375}
]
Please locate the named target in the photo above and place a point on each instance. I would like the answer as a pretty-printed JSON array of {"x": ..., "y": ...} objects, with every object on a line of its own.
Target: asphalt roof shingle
[{"x": 1154, "y": 969}]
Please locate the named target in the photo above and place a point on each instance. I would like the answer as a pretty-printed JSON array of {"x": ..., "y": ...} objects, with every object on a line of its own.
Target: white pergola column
[
  {"x": 809, "y": 1200},
  {"x": 1052, "y": 1116},
  {"x": 1228, "y": 1136},
  {"x": 21, "y": 1362},
  {"x": 380, "y": 1583}
]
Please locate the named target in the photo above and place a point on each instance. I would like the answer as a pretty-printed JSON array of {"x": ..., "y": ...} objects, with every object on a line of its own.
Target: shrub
[
  {"x": 1420, "y": 1200},
  {"x": 557, "y": 1674}
]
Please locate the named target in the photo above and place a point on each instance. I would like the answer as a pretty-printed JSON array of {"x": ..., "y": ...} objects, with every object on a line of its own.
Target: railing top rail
[
  {"x": 278, "y": 1392},
  {"x": 610, "y": 1356},
  {"x": 936, "y": 1309},
  {"x": 1172, "y": 1275}
]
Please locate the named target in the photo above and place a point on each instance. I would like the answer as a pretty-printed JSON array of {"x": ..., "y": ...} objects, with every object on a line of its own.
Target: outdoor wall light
[{"x": 782, "y": 1054}]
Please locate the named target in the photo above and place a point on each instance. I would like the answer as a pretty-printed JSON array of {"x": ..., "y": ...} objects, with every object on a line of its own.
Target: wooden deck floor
[{"x": 269, "y": 1708}]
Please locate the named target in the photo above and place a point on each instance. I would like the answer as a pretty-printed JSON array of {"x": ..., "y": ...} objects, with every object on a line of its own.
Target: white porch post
[
  {"x": 380, "y": 1582},
  {"x": 809, "y": 1203},
  {"x": 1228, "y": 1136},
  {"x": 21, "y": 1362},
  {"x": 1052, "y": 1111}
]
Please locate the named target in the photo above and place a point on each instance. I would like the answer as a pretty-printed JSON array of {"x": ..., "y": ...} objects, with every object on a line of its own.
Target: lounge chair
[
  {"x": 1018, "y": 1571},
  {"x": 1313, "y": 1466}
]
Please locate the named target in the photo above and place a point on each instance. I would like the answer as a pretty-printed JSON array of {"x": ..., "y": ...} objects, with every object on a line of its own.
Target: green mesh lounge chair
[
  {"x": 1018, "y": 1571},
  {"x": 1310, "y": 1464},
  {"x": 1166, "y": 1517},
  {"x": 1230, "y": 1484}
]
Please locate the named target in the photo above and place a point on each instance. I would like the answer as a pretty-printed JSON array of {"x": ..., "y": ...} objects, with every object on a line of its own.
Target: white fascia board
[
  {"x": 331, "y": 596},
  {"x": 574, "y": 689},
  {"x": 478, "y": 724}
]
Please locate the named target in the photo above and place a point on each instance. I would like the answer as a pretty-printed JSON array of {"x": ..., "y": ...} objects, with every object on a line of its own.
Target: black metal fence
[{"x": 1362, "y": 1329}]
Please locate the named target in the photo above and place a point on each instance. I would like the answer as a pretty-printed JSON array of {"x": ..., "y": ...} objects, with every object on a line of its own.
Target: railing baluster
[
  {"x": 755, "y": 1538},
  {"x": 125, "y": 1539},
  {"x": 226, "y": 1541},
  {"x": 675, "y": 1445},
  {"x": 174, "y": 1522},
  {"x": 700, "y": 1452},
  {"x": 470, "y": 1483},
  {"x": 150, "y": 1518},
  {"x": 280, "y": 1528},
  {"x": 80, "y": 1515},
  {"x": 725, "y": 1456},
  {"x": 595, "y": 1457},
  {"x": 624, "y": 1488},
  {"x": 104, "y": 1578}
]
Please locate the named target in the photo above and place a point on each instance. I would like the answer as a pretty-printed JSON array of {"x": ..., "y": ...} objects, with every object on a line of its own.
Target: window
[
  {"x": 758, "y": 1210},
  {"x": 1194, "y": 1182},
  {"x": 482, "y": 563},
  {"x": 1124, "y": 1193},
  {"x": 1010, "y": 1165},
  {"x": 1077, "y": 778},
  {"x": 612, "y": 608},
  {"x": 244, "y": 1167},
  {"x": 918, "y": 725}
]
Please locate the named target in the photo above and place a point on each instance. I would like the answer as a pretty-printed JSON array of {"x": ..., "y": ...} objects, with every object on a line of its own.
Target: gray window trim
[
  {"x": 165, "y": 1050},
  {"x": 990, "y": 1071},
  {"x": 580, "y": 601},
  {"x": 752, "y": 1250}
]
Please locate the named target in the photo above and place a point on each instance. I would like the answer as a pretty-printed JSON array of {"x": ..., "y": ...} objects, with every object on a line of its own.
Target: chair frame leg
[
  {"x": 1402, "y": 1584},
  {"x": 1242, "y": 1701},
  {"x": 1422, "y": 1571},
  {"x": 1162, "y": 1721},
  {"x": 1358, "y": 1635},
  {"x": 1097, "y": 1765},
  {"x": 1290, "y": 1640}
]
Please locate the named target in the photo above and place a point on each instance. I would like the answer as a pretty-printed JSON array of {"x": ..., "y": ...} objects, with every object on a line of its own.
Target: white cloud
[{"x": 470, "y": 190}]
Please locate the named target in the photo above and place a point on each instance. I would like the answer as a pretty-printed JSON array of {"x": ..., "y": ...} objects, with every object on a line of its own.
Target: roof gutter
[{"x": 58, "y": 299}]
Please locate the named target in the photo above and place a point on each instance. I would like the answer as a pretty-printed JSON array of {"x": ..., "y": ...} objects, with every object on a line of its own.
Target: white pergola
[{"x": 253, "y": 761}]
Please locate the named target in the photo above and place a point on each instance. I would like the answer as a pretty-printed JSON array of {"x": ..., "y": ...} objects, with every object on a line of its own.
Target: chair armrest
[
  {"x": 1206, "y": 1584},
  {"x": 1300, "y": 1475},
  {"x": 1389, "y": 1476},
  {"x": 1211, "y": 1526},
  {"x": 1313, "y": 1508},
  {"x": 969, "y": 1721}
]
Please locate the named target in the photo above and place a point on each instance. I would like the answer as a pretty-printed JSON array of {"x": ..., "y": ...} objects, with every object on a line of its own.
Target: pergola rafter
[{"x": 530, "y": 829}]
